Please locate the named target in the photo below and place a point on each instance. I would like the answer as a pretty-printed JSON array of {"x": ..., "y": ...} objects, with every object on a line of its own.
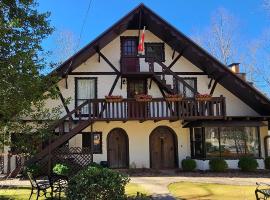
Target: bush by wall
[
  {"x": 218, "y": 165},
  {"x": 97, "y": 183},
  {"x": 188, "y": 164},
  {"x": 61, "y": 169},
  {"x": 267, "y": 162},
  {"x": 248, "y": 164}
]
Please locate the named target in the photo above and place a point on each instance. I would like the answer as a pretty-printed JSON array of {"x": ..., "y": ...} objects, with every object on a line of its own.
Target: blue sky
[{"x": 187, "y": 16}]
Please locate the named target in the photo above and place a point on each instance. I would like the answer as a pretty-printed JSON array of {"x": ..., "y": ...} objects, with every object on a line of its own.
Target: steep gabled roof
[{"x": 178, "y": 41}]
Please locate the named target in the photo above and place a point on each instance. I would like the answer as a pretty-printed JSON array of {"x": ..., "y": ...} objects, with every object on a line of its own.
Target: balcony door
[
  {"x": 134, "y": 87},
  {"x": 129, "y": 52}
]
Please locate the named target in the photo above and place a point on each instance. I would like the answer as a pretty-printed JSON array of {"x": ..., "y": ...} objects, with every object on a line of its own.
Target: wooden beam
[
  {"x": 63, "y": 100},
  {"x": 213, "y": 88},
  {"x": 173, "y": 54},
  {"x": 107, "y": 61},
  {"x": 66, "y": 82},
  {"x": 93, "y": 73},
  {"x": 158, "y": 73},
  {"x": 114, "y": 84},
  {"x": 176, "y": 59},
  {"x": 210, "y": 83}
]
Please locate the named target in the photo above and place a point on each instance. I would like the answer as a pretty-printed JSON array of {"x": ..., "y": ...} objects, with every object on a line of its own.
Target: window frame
[
  {"x": 204, "y": 157},
  {"x": 76, "y": 79},
  {"x": 101, "y": 141},
  {"x": 187, "y": 78},
  {"x": 147, "y": 44}
]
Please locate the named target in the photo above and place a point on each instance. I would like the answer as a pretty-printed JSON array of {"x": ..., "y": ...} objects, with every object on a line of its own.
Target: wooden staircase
[
  {"x": 161, "y": 81},
  {"x": 66, "y": 129}
]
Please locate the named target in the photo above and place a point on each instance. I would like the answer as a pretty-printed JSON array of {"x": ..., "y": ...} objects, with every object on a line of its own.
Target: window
[
  {"x": 197, "y": 143},
  {"x": 155, "y": 50},
  {"x": 85, "y": 88},
  {"x": 86, "y": 141},
  {"x": 239, "y": 141},
  {"x": 227, "y": 142},
  {"x": 183, "y": 90},
  {"x": 129, "y": 46}
]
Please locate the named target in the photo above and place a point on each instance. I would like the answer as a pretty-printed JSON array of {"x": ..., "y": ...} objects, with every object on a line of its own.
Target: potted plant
[
  {"x": 173, "y": 97},
  {"x": 203, "y": 97},
  {"x": 143, "y": 97},
  {"x": 114, "y": 98}
]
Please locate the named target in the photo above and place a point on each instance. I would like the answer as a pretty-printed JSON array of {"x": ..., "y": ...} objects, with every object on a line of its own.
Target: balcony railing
[{"x": 156, "y": 109}]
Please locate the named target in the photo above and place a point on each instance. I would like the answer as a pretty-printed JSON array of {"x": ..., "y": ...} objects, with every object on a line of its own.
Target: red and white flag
[{"x": 141, "y": 43}]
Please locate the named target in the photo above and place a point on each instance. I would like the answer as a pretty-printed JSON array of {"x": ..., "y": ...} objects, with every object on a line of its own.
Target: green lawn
[
  {"x": 203, "y": 191},
  {"x": 24, "y": 193}
]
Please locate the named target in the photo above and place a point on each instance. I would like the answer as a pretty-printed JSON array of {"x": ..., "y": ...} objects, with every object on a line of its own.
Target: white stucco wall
[
  {"x": 138, "y": 134},
  {"x": 235, "y": 107}
]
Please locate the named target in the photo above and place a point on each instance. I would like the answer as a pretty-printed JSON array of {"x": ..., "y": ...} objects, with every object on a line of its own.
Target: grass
[
  {"x": 209, "y": 191},
  {"x": 24, "y": 192}
]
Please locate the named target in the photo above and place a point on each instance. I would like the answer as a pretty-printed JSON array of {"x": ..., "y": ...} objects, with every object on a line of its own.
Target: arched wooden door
[
  {"x": 163, "y": 148},
  {"x": 118, "y": 150}
]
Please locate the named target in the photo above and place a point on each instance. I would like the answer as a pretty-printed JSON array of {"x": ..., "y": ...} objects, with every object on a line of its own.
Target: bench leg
[{"x": 31, "y": 194}]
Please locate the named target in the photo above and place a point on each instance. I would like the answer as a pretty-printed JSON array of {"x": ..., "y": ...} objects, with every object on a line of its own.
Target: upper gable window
[{"x": 155, "y": 50}]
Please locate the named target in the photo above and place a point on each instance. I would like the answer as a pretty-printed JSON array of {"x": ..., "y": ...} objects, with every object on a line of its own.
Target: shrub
[
  {"x": 267, "y": 162},
  {"x": 218, "y": 165},
  {"x": 94, "y": 164},
  {"x": 188, "y": 164},
  {"x": 61, "y": 169},
  {"x": 248, "y": 164},
  {"x": 34, "y": 169},
  {"x": 97, "y": 183}
]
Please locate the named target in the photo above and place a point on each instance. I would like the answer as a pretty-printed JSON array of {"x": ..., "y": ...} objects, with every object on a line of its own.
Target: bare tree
[
  {"x": 66, "y": 44},
  {"x": 220, "y": 38}
]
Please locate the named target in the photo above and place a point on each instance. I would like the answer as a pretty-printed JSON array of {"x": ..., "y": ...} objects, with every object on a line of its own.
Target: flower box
[
  {"x": 174, "y": 97},
  {"x": 143, "y": 97},
  {"x": 203, "y": 97},
  {"x": 113, "y": 98}
]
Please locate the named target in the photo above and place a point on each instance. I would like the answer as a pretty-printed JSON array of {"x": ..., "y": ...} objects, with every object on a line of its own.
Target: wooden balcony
[{"x": 156, "y": 109}]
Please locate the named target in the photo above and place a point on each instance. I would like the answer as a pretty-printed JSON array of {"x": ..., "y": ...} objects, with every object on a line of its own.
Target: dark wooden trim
[
  {"x": 107, "y": 61},
  {"x": 114, "y": 84},
  {"x": 173, "y": 54},
  {"x": 175, "y": 144},
  {"x": 93, "y": 73},
  {"x": 210, "y": 83},
  {"x": 76, "y": 85},
  {"x": 127, "y": 144},
  {"x": 213, "y": 88},
  {"x": 66, "y": 81},
  {"x": 266, "y": 145},
  {"x": 62, "y": 100},
  {"x": 115, "y": 73},
  {"x": 259, "y": 142}
]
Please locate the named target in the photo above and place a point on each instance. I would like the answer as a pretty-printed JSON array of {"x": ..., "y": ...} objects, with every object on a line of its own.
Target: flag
[{"x": 141, "y": 42}]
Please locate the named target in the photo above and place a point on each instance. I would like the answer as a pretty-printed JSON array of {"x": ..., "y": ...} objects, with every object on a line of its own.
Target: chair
[
  {"x": 40, "y": 186},
  {"x": 262, "y": 191},
  {"x": 59, "y": 184}
]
